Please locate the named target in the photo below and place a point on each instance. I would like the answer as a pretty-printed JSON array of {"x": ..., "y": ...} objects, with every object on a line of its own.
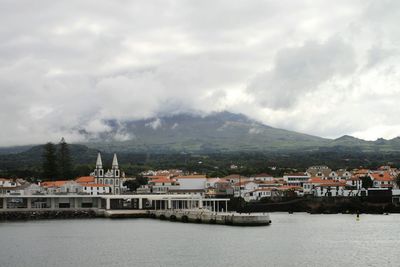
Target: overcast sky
[{"x": 326, "y": 68}]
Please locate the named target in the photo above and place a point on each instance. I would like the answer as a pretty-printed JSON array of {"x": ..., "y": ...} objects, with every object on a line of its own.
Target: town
[{"x": 315, "y": 182}]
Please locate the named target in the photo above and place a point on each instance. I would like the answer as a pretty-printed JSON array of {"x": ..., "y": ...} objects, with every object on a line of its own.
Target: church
[{"x": 114, "y": 178}]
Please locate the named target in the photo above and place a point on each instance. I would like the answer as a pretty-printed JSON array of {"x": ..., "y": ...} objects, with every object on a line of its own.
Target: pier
[
  {"x": 207, "y": 216},
  {"x": 184, "y": 208}
]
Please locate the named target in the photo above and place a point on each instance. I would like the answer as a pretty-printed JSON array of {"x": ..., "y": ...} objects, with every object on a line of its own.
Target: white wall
[{"x": 191, "y": 183}]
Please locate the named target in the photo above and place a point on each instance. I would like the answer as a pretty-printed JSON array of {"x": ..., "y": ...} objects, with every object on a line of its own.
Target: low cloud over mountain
[{"x": 69, "y": 68}]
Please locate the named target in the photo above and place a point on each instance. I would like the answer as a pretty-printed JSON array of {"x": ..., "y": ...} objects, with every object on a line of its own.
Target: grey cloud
[
  {"x": 68, "y": 67},
  {"x": 299, "y": 70}
]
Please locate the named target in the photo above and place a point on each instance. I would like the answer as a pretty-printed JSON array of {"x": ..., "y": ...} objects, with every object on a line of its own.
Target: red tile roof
[
  {"x": 326, "y": 182},
  {"x": 383, "y": 177},
  {"x": 53, "y": 183},
  {"x": 85, "y": 179}
]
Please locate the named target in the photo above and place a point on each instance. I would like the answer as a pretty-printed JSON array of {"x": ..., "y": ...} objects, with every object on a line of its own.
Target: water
[{"x": 291, "y": 240}]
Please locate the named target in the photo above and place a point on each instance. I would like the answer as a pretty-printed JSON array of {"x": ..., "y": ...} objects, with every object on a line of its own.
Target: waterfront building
[
  {"x": 296, "y": 179},
  {"x": 96, "y": 189},
  {"x": 114, "y": 178},
  {"x": 259, "y": 194},
  {"x": 320, "y": 187}
]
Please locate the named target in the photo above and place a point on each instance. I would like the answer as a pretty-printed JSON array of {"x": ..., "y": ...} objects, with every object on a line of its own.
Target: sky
[{"x": 326, "y": 68}]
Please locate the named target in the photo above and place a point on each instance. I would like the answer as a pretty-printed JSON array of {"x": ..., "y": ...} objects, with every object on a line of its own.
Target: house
[
  {"x": 382, "y": 179},
  {"x": 340, "y": 175},
  {"x": 243, "y": 187},
  {"x": 62, "y": 187},
  {"x": 320, "y": 187},
  {"x": 319, "y": 171},
  {"x": 8, "y": 186},
  {"x": 362, "y": 172},
  {"x": 162, "y": 185},
  {"x": 4, "y": 182},
  {"x": 258, "y": 194}
]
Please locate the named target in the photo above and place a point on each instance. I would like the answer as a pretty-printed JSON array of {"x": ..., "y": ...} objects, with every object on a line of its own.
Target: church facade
[{"x": 113, "y": 177}]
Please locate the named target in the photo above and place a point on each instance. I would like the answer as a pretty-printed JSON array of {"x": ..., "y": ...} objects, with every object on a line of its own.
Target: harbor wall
[{"x": 22, "y": 215}]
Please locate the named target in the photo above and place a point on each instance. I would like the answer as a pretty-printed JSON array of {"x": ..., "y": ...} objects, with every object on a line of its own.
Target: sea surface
[{"x": 291, "y": 240}]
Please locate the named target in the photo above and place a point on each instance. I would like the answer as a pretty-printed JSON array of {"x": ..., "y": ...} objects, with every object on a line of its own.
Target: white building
[
  {"x": 191, "y": 182},
  {"x": 161, "y": 185},
  {"x": 112, "y": 177},
  {"x": 8, "y": 183},
  {"x": 296, "y": 179},
  {"x": 96, "y": 189},
  {"x": 242, "y": 188},
  {"x": 340, "y": 175},
  {"x": 258, "y": 194}
]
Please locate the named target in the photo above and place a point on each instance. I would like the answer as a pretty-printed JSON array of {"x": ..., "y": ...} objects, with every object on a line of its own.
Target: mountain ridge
[{"x": 215, "y": 132}]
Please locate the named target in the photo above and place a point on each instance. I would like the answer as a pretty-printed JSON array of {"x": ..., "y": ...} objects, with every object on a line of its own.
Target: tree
[
  {"x": 366, "y": 182},
  {"x": 136, "y": 183},
  {"x": 49, "y": 160},
  {"x": 64, "y": 161}
]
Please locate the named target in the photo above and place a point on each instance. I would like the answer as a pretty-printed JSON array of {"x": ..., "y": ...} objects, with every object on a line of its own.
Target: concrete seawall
[
  {"x": 22, "y": 215},
  {"x": 205, "y": 216},
  {"x": 190, "y": 216}
]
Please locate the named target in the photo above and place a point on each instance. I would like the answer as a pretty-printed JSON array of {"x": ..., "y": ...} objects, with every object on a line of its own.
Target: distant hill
[
  {"x": 218, "y": 132},
  {"x": 33, "y": 156},
  {"x": 222, "y": 132}
]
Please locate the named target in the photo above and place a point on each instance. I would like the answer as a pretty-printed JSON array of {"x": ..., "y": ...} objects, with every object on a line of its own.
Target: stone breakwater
[{"x": 48, "y": 214}]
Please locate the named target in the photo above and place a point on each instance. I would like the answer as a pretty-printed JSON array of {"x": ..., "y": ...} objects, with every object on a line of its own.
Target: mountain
[{"x": 217, "y": 132}]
